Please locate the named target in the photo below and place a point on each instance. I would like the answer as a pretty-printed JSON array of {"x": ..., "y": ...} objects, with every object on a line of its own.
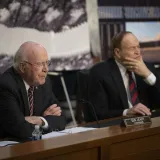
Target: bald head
[
  {"x": 31, "y": 62},
  {"x": 26, "y": 52}
]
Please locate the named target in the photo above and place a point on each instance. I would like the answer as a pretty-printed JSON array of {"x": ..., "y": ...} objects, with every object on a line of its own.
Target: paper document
[
  {"x": 66, "y": 131},
  {"x": 7, "y": 143}
]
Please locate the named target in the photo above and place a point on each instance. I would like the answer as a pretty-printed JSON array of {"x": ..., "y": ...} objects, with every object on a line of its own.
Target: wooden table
[{"x": 135, "y": 143}]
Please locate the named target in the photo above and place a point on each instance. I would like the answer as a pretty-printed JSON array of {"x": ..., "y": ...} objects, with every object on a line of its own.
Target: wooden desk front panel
[
  {"x": 89, "y": 154},
  {"x": 141, "y": 148}
]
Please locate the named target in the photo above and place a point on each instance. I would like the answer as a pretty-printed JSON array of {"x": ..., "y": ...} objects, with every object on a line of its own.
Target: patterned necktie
[
  {"x": 133, "y": 89},
  {"x": 30, "y": 99}
]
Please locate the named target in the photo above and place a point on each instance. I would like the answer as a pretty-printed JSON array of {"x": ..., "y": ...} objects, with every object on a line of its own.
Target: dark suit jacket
[
  {"x": 14, "y": 106},
  {"x": 107, "y": 92}
]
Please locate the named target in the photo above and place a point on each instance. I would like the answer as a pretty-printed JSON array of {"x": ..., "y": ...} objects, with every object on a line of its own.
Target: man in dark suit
[
  {"x": 26, "y": 97},
  {"x": 109, "y": 88}
]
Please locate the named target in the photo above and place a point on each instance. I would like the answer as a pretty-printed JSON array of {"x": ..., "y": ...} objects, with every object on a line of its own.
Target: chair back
[{"x": 82, "y": 94}]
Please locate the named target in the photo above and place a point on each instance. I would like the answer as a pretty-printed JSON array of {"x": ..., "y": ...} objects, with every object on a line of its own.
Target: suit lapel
[
  {"x": 118, "y": 81},
  {"x": 142, "y": 90},
  {"x": 23, "y": 92},
  {"x": 37, "y": 100}
]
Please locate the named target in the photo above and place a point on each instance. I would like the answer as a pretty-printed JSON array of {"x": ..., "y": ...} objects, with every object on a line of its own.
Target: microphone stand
[{"x": 66, "y": 94}]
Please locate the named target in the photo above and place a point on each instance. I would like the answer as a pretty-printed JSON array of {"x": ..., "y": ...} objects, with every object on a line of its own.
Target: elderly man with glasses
[{"x": 26, "y": 97}]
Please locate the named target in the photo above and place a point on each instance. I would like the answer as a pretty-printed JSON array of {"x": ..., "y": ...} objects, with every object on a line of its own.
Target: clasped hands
[{"x": 54, "y": 109}]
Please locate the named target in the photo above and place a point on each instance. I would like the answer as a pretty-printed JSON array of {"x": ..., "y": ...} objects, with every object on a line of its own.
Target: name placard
[{"x": 127, "y": 122}]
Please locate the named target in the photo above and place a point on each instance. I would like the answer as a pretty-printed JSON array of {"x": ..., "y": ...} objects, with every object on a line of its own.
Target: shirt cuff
[
  {"x": 45, "y": 126},
  {"x": 151, "y": 79},
  {"x": 125, "y": 112}
]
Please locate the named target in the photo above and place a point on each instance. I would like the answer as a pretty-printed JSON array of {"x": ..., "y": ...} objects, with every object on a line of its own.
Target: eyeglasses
[{"x": 39, "y": 64}]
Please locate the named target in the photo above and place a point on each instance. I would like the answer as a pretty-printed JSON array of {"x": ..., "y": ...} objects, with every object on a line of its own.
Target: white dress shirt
[
  {"x": 150, "y": 80},
  {"x": 45, "y": 126}
]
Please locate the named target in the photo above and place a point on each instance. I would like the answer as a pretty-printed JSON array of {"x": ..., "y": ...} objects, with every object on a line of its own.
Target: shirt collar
[
  {"x": 121, "y": 67},
  {"x": 26, "y": 85}
]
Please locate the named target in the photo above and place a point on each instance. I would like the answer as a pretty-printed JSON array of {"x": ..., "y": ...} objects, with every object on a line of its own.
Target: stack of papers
[
  {"x": 7, "y": 143},
  {"x": 66, "y": 131}
]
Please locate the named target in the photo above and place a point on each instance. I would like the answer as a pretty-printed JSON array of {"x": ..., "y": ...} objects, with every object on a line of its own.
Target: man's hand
[
  {"x": 139, "y": 109},
  {"x": 137, "y": 66},
  {"x": 53, "y": 110},
  {"x": 34, "y": 120}
]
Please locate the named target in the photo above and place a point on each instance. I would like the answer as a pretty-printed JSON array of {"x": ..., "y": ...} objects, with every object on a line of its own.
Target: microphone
[
  {"x": 55, "y": 73},
  {"x": 93, "y": 109}
]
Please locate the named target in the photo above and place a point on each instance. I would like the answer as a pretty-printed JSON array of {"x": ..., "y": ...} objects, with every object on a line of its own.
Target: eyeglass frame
[{"x": 39, "y": 64}]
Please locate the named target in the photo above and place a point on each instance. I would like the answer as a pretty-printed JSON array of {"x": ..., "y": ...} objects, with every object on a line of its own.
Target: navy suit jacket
[
  {"x": 106, "y": 90},
  {"x": 14, "y": 106}
]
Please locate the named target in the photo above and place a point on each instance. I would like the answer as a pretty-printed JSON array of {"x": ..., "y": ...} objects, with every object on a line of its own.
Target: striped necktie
[
  {"x": 133, "y": 89},
  {"x": 30, "y": 99}
]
